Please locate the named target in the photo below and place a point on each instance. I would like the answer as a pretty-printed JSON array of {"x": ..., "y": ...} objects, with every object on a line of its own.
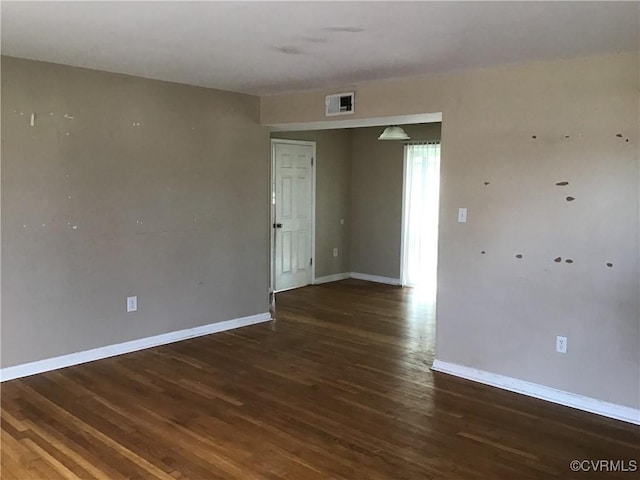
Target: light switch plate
[{"x": 462, "y": 215}]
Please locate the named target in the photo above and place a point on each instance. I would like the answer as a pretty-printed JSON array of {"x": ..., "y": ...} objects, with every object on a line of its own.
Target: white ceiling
[{"x": 272, "y": 47}]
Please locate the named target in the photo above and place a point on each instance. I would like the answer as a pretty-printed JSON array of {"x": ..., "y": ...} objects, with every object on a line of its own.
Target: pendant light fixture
[{"x": 394, "y": 133}]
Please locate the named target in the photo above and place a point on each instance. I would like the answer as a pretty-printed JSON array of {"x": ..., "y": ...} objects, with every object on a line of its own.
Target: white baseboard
[
  {"x": 375, "y": 278},
  {"x": 592, "y": 405},
  {"x": 48, "y": 364},
  {"x": 331, "y": 278}
]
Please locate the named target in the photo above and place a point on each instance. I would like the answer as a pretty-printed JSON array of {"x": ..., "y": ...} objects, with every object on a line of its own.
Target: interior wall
[
  {"x": 510, "y": 135},
  {"x": 376, "y": 198},
  {"x": 333, "y": 169},
  {"x": 125, "y": 186}
]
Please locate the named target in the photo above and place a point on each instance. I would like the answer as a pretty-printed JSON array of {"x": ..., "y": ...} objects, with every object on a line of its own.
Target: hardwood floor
[{"x": 338, "y": 387}]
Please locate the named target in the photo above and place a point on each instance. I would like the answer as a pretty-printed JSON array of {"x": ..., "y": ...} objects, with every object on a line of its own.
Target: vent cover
[{"x": 339, "y": 104}]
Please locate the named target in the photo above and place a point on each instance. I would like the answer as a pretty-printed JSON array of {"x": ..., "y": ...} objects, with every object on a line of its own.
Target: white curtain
[{"x": 420, "y": 236}]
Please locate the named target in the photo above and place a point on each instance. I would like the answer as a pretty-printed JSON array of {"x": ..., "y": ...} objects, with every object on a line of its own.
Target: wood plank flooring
[{"x": 338, "y": 387}]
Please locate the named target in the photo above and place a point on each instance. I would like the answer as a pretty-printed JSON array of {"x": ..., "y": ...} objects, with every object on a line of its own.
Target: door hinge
[
  {"x": 311, "y": 261},
  {"x": 312, "y": 161}
]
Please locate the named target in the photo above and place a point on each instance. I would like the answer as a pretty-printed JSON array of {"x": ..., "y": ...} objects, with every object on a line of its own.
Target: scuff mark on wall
[
  {"x": 69, "y": 117},
  {"x": 32, "y": 122},
  {"x": 562, "y": 184}
]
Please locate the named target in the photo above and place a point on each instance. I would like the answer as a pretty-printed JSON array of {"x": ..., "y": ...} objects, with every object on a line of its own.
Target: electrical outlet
[
  {"x": 335, "y": 252},
  {"x": 132, "y": 304},
  {"x": 561, "y": 344}
]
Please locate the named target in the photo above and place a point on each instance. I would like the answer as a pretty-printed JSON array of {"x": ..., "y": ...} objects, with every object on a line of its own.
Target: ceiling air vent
[{"x": 339, "y": 104}]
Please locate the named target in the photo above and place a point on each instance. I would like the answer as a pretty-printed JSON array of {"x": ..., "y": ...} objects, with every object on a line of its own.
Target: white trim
[
  {"x": 274, "y": 141},
  {"x": 332, "y": 278},
  {"x": 304, "y": 143},
  {"x": 588, "y": 404},
  {"x": 358, "y": 122},
  {"x": 26, "y": 369},
  {"x": 375, "y": 278}
]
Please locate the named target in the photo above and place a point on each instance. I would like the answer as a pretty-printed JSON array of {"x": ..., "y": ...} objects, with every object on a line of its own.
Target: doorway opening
[
  {"x": 421, "y": 193},
  {"x": 360, "y": 195}
]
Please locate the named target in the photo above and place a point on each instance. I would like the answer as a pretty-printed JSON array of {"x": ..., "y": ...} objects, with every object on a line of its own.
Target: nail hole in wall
[
  {"x": 519, "y": 255},
  {"x": 557, "y": 259},
  {"x": 562, "y": 184},
  {"x": 619, "y": 135},
  {"x": 568, "y": 260},
  {"x": 570, "y": 199},
  {"x": 609, "y": 265}
]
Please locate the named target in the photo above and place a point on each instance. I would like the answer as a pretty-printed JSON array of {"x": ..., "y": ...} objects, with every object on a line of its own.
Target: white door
[{"x": 293, "y": 214}]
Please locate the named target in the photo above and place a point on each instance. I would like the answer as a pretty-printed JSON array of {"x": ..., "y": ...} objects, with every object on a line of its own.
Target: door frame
[
  {"x": 272, "y": 209},
  {"x": 405, "y": 214}
]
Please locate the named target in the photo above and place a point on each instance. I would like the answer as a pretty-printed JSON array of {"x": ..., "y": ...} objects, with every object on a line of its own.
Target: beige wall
[
  {"x": 333, "y": 167},
  {"x": 174, "y": 210},
  {"x": 499, "y": 313},
  {"x": 376, "y": 198}
]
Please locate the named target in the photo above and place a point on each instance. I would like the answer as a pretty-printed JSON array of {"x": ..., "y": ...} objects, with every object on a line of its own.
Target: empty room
[{"x": 372, "y": 240}]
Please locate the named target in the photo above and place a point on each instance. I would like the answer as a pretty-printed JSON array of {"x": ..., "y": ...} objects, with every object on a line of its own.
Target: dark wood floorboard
[{"x": 338, "y": 387}]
